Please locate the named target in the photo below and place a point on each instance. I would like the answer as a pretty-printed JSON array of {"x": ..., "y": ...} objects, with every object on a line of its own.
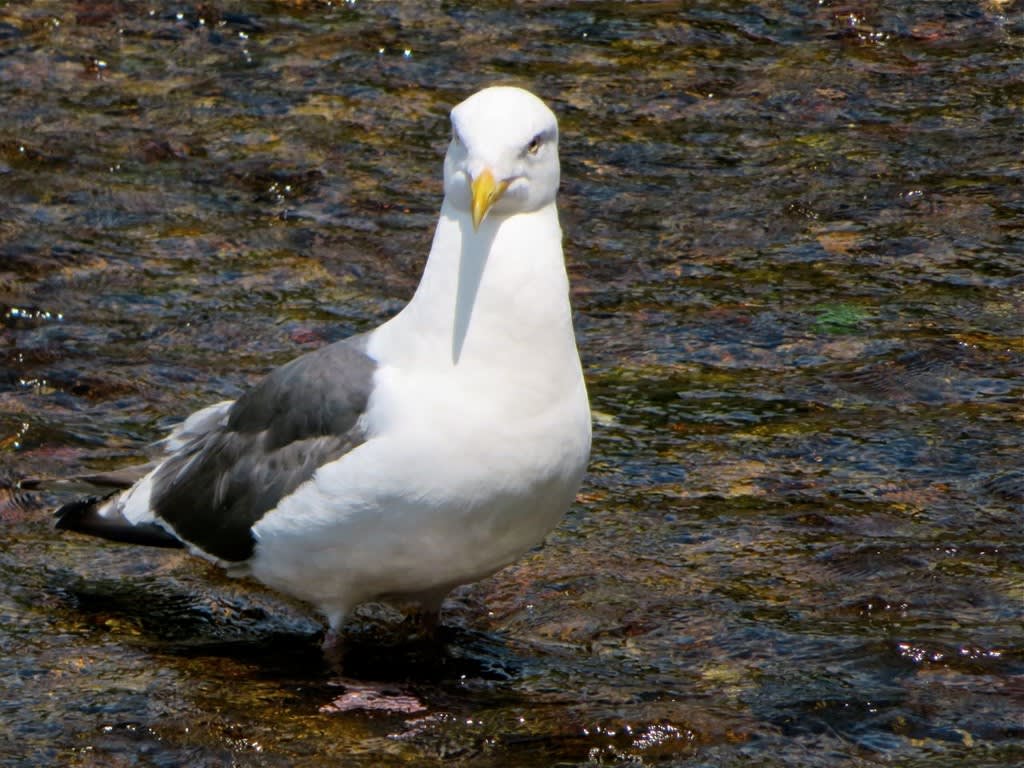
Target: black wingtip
[
  {"x": 70, "y": 515},
  {"x": 82, "y": 516}
]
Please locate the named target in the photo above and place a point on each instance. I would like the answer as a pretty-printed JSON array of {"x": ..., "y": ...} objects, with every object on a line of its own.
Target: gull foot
[{"x": 373, "y": 697}]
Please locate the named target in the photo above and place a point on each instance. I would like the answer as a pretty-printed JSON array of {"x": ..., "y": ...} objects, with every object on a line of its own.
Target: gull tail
[
  {"x": 92, "y": 514},
  {"x": 83, "y": 516},
  {"x": 93, "y": 484}
]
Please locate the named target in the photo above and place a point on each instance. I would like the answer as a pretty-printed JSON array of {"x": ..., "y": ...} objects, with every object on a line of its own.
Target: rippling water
[{"x": 796, "y": 239}]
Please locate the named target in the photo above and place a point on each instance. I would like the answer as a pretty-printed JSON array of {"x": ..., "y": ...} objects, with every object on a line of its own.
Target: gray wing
[{"x": 303, "y": 415}]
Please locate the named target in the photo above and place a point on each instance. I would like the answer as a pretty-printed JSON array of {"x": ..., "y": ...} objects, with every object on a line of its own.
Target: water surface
[{"x": 794, "y": 232}]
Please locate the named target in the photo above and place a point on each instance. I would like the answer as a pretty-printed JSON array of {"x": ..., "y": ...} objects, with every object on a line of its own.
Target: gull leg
[
  {"x": 427, "y": 616},
  {"x": 362, "y": 694},
  {"x": 333, "y": 644}
]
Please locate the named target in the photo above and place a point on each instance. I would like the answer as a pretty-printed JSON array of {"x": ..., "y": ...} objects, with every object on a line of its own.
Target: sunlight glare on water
[{"x": 794, "y": 235}]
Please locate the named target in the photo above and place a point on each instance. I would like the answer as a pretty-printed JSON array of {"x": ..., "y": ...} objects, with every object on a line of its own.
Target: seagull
[{"x": 430, "y": 452}]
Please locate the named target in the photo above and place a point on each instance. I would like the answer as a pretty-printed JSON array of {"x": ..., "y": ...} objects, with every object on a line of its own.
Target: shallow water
[{"x": 795, "y": 237}]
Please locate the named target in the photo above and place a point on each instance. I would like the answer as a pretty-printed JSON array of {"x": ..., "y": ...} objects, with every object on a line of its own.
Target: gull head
[{"x": 503, "y": 156}]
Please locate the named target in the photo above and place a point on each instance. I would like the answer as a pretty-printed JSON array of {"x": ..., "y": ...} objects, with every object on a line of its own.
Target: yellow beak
[{"x": 486, "y": 192}]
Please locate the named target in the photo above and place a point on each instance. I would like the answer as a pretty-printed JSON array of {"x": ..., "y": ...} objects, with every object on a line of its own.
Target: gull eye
[{"x": 534, "y": 146}]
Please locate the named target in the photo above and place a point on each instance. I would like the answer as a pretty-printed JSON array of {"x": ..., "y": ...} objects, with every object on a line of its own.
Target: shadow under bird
[{"x": 425, "y": 454}]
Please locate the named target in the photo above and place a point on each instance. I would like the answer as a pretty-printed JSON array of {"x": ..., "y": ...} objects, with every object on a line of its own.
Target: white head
[{"x": 503, "y": 157}]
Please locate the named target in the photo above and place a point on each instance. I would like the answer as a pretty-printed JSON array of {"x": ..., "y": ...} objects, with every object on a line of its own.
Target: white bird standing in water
[{"x": 424, "y": 454}]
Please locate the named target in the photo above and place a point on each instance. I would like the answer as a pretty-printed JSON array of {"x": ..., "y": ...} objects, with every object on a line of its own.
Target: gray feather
[{"x": 303, "y": 415}]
